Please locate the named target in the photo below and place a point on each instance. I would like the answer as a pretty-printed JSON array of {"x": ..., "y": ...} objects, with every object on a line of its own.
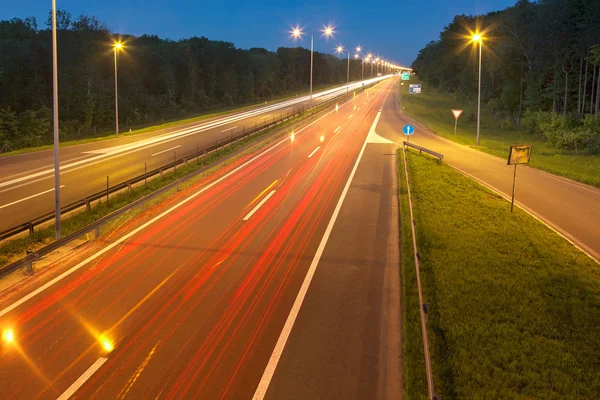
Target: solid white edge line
[
  {"x": 337, "y": 129},
  {"x": 82, "y": 379},
  {"x": 263, "y": 385},
  {"x": 266, "y": 116},
  {"x": 130, "y": 234},
  {"x": 30, "y": 197},
  {"x": 259, "y": 205},
  {"x": 314, "y": 151},
  {"x": 164, "y": 151},
  {"x": 228, "y": 129}
]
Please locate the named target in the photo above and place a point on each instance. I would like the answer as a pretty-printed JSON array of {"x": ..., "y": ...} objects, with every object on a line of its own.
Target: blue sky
[{"x": 396, "y": 30}]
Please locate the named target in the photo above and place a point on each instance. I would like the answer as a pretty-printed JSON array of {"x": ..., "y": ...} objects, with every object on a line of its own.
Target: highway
[
  {"x": 27, "y": 183},
  {"x": 569, "y": 207},
  {"x": 278, "y": 277}
]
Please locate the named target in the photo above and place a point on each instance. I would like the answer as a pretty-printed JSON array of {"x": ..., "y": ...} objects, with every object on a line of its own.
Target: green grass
[
  {"x": 11, "y": 250},
  {"x": 433, "y": 110},
  {"x": 106, "y": 135},
  {"x": 514, "y": 309}
]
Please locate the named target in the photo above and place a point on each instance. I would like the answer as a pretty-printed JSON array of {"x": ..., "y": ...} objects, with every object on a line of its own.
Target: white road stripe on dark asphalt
[
  {"x": 314, "y": 151},
  {"x": 259, "y": 205},
  {"x": 30, "y": 197},
  {"x": 164, "y": 151},
  {"x": 266, "y": 116},
  {"x": 82, "y": 379},
  {"x": 337, "y": 129},
  {"x": 228, "y": 129},
  {"x": 265, "y": 380}
]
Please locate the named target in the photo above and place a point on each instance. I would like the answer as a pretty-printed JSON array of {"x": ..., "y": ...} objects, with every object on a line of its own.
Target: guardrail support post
[
  {"x": 107, "y": 186},
  {"x": 161, "y": 174},
  {"x": 30, "y": 229},
  {"x": 88, "y": 207},
  {"x": 129, "y": 188},
  {"x": 145, "y": 176},
  {"x": 97, "y": 232}
]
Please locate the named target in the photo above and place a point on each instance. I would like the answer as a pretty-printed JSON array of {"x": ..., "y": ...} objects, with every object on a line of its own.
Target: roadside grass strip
[{"x": 514, "y": 309}]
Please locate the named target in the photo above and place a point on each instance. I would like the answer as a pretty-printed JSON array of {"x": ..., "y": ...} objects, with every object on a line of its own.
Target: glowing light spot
[
  {"x": 106, "y": 344},
  {"x": 8, "y": 336},
  {"x": 322, "y": 138},
  {"x": 292, "y": 137}
]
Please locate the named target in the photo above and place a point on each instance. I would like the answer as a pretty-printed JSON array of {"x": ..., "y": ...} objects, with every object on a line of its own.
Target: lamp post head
[
  {"x": 296, "y": 32},
  {"x": 328, "y": 30}
]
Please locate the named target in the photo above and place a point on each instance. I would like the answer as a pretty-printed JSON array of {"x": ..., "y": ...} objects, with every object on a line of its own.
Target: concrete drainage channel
[{"x": 127, "y": 186}]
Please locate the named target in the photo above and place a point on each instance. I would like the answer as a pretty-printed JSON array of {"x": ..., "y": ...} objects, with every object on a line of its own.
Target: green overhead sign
[{"x": 405, "y": 76}]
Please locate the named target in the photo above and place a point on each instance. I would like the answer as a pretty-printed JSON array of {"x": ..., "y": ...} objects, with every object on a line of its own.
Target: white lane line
[
  {"x": 314, "y": 151},
  {"x": 263, "y": 385},
  {"x": 153, "y": 220},
  {"x": 121, "y": 150},
  {"x": 337, "y": 129},
  {"x": 229, "y": 129},
  {"x": 266, "y": 116},
  {"x": 164, "y": 151},
  {"x": 259, "y": 205},
  {"x": 82, "y": 379},
  {"x": 289, "y": 108},
  {"x": 351, "y": 115},
  {"x": 30, "y": 197}
]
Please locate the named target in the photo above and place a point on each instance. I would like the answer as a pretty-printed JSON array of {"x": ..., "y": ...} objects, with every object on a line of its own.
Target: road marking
[
  {"x": 144, "y": 226},
  {"x": 314, "y": 151},
  {"x": 337, "y": 129},
  {"x": 263, "y": 385},
  {"x": 229, "y": 129},
  {"x": 351, "y": 115},
  {"x": 164, "y": 151},
  {"x": 121, "y": 150},
  {"x": 259, "y": 205},
  {"x": 289, "y": 108},
  {"x": 266, "y": 116},
  {"x": 82, "y": 379},
  {"x": 30, "y": 197},
  {"x": 263, "y": 192}
]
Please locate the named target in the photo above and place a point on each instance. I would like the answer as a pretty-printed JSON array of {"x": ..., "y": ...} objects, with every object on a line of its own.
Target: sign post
[
  {"x": 518, "y": 155},
  {"x": 408, "y": 130},
  {"x": 456, "y": 114}
]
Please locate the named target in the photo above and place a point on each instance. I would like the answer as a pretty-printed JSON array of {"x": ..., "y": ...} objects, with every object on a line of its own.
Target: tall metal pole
[
  {"x": 311, "y": 62},
  {"x": 116, "y": 95},
  {"x": 55, "y": 116},
  {"x": 479, "y": 95},
  {"x": 362, "y": 70},
  {"x": 348, "y": 75}
]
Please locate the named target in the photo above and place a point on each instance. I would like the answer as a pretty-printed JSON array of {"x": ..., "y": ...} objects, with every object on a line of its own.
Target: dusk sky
[{"x": 395, "y": 30}]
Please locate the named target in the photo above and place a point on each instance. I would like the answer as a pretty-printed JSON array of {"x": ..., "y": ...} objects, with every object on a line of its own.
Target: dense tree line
[
  {"x": 541, "y": 67},
  {"x": 158, "y": 78}
]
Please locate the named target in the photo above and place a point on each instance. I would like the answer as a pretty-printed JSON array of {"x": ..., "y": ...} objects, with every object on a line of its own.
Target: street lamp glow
[
  {"x": 106, "y": 344},
  {"x": 328, "y": 30},
  {"x": 356, "y": 55},
  {"x": 296, "y": 32},
  {"x": 476, "y": 37},
  {"x": 358, "y": 49},
  {"x": 118, "y": 45},
  {"x": 339, "y": 49}
]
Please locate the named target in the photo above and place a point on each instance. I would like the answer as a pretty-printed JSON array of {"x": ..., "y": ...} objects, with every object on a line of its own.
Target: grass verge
[
  {"x": 432, "y": 109},
  {"x": 106, "y": 135},
  {"x": 514, "y": 309},
  {"x": 11, "y": 250}
]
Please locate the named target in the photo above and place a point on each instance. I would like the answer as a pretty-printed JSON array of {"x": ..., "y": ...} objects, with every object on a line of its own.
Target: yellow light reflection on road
[
  {"x": 292, "y": 137},
  {"x": 322, "y": 138},
  {"x": 8, "y": 336},
  {"x": 106, "y": 344}
]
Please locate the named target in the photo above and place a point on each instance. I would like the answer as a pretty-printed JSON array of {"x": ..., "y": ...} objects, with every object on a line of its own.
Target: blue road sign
[{"x": 408, "y": 130}]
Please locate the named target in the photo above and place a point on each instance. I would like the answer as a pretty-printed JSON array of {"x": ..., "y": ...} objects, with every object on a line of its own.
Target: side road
[{"x": 569, "y": 207}]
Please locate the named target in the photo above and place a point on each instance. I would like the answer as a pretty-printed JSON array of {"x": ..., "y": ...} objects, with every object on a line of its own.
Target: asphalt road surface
[
  {"x": 571, "y": 208},
  {"x": 276, "y": 278},
  {"x": 27, "y": 180}
]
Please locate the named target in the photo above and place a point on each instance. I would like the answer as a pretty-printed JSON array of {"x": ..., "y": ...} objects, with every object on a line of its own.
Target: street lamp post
[
  {"x": 477, "y": 38},
  {"x": 362, "y": 63},
  {"x": 55, "y": 117},
  {"x": 339, "y": 50},
  {"x": 297, "y": 33},
  {"x": 118, "y": 46}
]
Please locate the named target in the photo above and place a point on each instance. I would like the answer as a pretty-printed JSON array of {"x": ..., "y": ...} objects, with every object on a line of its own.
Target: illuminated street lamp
[
  {"x": 55, "y": 118},
  {"x": 477, "y": 38},
  {"x": 117, "y": 46},
  {"x": 297, "y": 34},
  {"x": 339, "y": 50}
]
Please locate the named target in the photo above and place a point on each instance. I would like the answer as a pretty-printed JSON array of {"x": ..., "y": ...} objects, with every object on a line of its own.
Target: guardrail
[
  {"x": 424, "y": 150},
  {"x": 85, "y": 202},
  {"x": 28, "y": 260},
  {"x": 422, "y": 305}
]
